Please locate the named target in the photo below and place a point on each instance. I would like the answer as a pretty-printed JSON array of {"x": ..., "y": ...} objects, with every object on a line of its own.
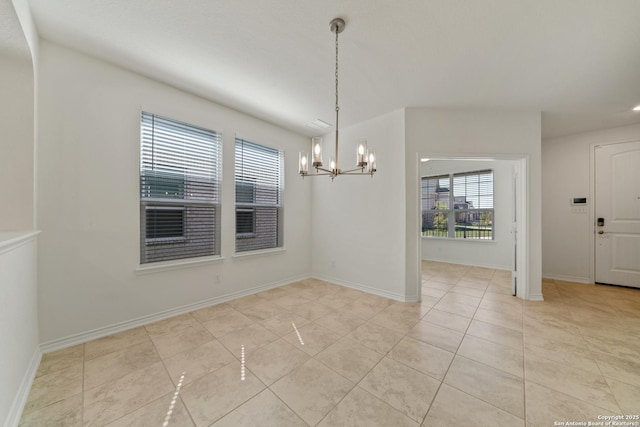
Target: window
[
  {"x": 180, "y": 171},
  {"x": 245, "y": 216},
  {"x": 163, "y": 223},
  {"x": 245, "y": 222},
  {"x": 258, "y": 178},
  {"x": 458, "y": 205}
]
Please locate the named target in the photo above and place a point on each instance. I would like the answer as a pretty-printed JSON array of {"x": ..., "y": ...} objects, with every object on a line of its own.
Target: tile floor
[{"x": 468, "y": 354}]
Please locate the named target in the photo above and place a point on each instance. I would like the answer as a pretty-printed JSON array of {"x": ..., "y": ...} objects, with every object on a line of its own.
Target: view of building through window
[
  {"x": 258, "y": 179},
  {"x": 180, "y": 167},
  {"x": 458, "y": 206}
]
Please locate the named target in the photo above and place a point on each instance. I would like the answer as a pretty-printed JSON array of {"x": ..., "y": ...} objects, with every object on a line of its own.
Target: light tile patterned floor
[{"x": 468, "y": 354}]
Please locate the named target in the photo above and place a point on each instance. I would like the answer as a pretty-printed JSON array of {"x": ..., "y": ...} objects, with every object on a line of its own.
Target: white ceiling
[{"x": 577, "y": 61}]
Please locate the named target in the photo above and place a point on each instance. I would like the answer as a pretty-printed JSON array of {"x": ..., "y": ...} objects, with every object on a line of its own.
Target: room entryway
[
  {"x": 508, "y": 247},
  {"x": 617, "y": 214}
]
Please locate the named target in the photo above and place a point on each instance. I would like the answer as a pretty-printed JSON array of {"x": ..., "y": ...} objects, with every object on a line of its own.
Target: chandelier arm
[
  {"x": 351, "y": 171},
  {"x": 356, "y": 173},
  {"x": 317, "y": 174},
  {"x": 324, "y": 170}
]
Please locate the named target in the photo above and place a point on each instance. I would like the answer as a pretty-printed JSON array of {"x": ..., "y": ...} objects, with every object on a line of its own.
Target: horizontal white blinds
[
  {"x": 474, "y": 188},
  {"x": 458, "y": 205},
  {"x": 180, "y": 177},
  {"x": 435, "y": 192},
  {"x": 258, "y": 174},
  {"x": 179, "y": 161},
  {"x": 259, "y": 186}
]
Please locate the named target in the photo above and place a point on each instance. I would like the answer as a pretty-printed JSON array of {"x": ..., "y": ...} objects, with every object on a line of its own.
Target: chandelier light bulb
[
  {"x": 303, "y": 164},
  {"x": 316, "y": 147},
  {"x": 361, "y": 154},
  {"x": 372, "y": 162}
]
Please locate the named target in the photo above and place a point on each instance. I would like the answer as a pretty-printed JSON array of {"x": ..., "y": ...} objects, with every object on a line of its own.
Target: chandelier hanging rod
[{"x": 365, "y": 160}]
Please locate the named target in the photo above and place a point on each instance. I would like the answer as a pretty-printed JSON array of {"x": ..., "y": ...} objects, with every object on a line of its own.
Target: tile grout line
[
  {"x": 582, "y": 335},
  {"x": 328, "y": 367},
  {"x": 562, "y": 297},
  {"x": 435, "y": 395},
  {"x": 454, "y": 356},
  {"x": 363, "y": 377},
  {"x": 169, "y": 374},
  {"x": 268, "y": 387},
  {"x": 555, "y": 361},
  {"x": 356, "y": 384}
]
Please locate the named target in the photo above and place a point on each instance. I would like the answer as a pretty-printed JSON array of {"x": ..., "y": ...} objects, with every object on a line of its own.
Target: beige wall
[
  {"x": 567, "y": 237},
  {"x": 88, "y": 202},
  {"x": 434, "y": 132},
  {"x": 358, "y": 221},
  {"x": 16, "y": 143}
]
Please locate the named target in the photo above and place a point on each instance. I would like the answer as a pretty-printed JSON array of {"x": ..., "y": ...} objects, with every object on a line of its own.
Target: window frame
[
  {"x": 188, "y": 159},
  {"x": 171, "y": 239},
  {"x": 451, "y": 213},
  {"x": 255, "y": 174},
  {"x": 246, "y": 234}
]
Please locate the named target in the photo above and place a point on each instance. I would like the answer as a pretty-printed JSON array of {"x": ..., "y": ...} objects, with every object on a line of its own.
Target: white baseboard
[
  {"x": 567, "y": 278},
  {"x": 535, "y": 297},
  {"x": 461, "y": 262},
  {"x": 364, "y": 288},
  {"x": 15, "y": 412},
  {"x": 83, "y": 337}
]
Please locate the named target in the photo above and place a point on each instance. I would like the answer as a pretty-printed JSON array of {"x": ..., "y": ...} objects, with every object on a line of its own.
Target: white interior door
[
  {"x": 617, "y": 214},
  {"x": 514, "y": 232}
]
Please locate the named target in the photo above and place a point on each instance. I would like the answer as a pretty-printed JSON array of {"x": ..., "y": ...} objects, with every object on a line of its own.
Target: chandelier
[{"x": 365, "y": 159}]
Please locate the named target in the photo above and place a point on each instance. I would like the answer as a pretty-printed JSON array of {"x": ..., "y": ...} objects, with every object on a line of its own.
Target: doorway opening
[{"x": 492, "y": 236}]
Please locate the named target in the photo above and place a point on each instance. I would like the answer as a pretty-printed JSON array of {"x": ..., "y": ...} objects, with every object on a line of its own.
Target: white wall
[
  {"x": 20, "y": 353},
  {"x": 32, "y": 42},
  {"x": 567, "y": 237},
  {"x": 442, "y": 132},
  {"x": 491, "y": 254},
  {"x": 88, "y": 202},
  {"x": 358, "y": 222},
  {"x": 16, "y": 143}
]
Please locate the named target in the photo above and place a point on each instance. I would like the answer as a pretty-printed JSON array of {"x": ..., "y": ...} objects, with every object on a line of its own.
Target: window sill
[
  {"x": 449, "y": 239},
  {"x": 261, "y": 252},
  {"x": 177, "y": 264}
]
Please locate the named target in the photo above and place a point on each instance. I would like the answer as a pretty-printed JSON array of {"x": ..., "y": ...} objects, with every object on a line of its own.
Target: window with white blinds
[
  {"x": 435, "y": 196},
  {"x": 258, "y": 180},
  {"x": 458, "y": 205},
  {"x": 180, "y": 178},
  {"x": 475, "y": 189}
]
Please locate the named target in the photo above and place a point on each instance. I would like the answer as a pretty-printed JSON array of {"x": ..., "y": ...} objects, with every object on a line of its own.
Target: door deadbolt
[{"x": 600, "y": 222}]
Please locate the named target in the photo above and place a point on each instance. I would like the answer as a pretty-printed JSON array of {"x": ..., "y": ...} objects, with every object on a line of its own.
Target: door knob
[{"x": 600, "y": 232}]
